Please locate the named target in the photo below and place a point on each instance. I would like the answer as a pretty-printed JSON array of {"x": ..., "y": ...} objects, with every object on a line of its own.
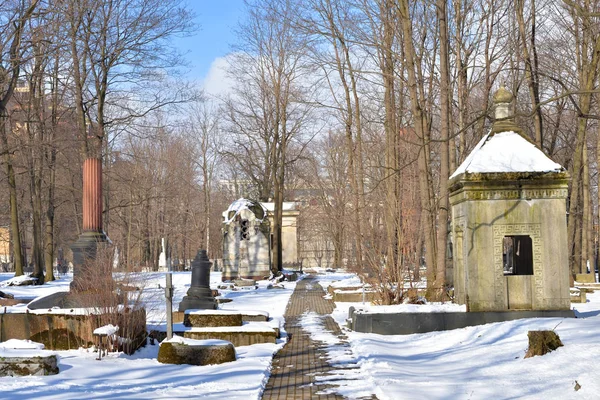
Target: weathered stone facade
[
  {"x": 509, "y": 231},
  {"x": 246, "y": 241},
  {"x": 289, "y": 232}
]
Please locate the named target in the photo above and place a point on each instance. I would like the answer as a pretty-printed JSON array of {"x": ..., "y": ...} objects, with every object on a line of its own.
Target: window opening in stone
[
  {"x": 245, "y": 225},
  {"x": 517, "y": 255}
]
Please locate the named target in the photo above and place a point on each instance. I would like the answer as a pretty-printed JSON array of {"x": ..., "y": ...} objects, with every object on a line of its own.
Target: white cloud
[{"x": 217, "y": 83}]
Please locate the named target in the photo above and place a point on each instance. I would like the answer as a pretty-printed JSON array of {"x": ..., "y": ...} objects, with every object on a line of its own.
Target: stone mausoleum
[
  {"x": 509, "y": 228},
  {"x": 247, "y": 237},
  {"x": 246, "y": 241}
]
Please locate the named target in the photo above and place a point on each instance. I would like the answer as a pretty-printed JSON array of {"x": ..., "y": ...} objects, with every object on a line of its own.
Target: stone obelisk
[{"x": 86, "y": 247}]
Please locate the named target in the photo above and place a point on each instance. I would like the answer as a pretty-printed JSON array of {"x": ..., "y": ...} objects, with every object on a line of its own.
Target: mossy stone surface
[
  {"x": 542, "y": 342},
  {"x": 21, "y": 366},
  {"x": 212, "y": 320},
  {"x": 240, "y": 338},
  {"x": 180, "y": 353}
]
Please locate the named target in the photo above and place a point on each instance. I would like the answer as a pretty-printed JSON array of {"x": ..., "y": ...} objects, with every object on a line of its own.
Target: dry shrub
[
  {"x": 542, "y": 342},
  {"x": 111, "y": 301}
]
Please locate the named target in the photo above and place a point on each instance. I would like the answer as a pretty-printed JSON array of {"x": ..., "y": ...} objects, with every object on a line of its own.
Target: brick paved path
[{"x": 297, "y": 364}]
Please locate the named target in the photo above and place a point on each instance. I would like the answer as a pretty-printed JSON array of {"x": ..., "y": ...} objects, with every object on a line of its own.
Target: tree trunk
[
  {"x": 531, "y": 68},
  {"x": 12, "y": 189},
  {"x": 421, "y": 131},
  {"x": 586, "y": 229},
  {"x": 392, "y": 174}
]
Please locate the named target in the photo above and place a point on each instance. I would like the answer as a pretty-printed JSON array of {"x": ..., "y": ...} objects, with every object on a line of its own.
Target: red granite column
[
  {"x": 92, "y": 195},
  {"x": 85, "y": 249}
]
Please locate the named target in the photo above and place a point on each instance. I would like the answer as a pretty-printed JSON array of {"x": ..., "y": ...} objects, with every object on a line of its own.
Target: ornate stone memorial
[
  {"x": 509, "y": 229},
  {"x": 246, "y": 241}
]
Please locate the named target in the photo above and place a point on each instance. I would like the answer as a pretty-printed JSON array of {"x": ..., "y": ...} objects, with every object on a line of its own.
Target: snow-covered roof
[
  {"x": 243, "y": 204},
  {"x": 506, "y": 152}
]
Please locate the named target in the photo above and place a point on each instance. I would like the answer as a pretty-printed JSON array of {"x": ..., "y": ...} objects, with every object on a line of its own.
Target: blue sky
[{"x": 217, "y": 19}]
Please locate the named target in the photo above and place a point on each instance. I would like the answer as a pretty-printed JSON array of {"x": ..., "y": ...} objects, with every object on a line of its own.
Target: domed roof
[
  {"x": 259, "y": 211},
  {"x": 503, "y": 96}
]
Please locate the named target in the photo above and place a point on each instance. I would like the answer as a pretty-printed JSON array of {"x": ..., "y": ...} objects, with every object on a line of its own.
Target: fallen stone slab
[{"x": 180, "y": 350}]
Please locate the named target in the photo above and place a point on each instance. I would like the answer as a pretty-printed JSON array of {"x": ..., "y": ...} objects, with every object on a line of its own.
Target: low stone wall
[
  {"x": 64, "y": 331},
  {"x": 409, "y": 323}
]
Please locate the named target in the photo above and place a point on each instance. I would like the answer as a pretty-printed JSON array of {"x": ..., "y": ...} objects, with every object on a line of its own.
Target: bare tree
[
  {"x": 267, "y": 110},
  {"x": 11, "y": 53}
]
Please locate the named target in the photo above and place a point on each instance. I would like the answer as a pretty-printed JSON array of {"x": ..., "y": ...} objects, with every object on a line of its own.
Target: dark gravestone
[{"x": 199, "y": 295}]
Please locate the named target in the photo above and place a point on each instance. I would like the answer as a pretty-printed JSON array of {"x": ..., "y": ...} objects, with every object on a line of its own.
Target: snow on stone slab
[
  {"x": 17, "y": 280},
  {"x": 248, "y": 328},
  {"x": 21, "y": 344},
  {"x": 226, "y": 312},
  {"x": 347, "y": 282},
  {"x": 410, "y": 308},
  {"x": 256, "y": 313},
  {"x": 22, "y": 348},
  {"x": 193, "y": 311},
  {"x": 107, "y": 330},
  {"x": 506, "y": 152},
  {"x": 196, "y": 342}
]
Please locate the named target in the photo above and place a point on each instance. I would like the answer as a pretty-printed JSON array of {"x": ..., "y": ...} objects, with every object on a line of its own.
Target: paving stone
[{"x": 296, "y": 365}]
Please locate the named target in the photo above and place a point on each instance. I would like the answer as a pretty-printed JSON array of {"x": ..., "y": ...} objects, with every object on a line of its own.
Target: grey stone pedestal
[{"x": 85, "y": 251}]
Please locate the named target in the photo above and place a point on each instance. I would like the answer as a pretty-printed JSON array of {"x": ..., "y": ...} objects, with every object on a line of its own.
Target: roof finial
[
  {"x": 502, "y": 95},
  {"x": 504, "y": 120},
  {"x": 502, "y": 100}
]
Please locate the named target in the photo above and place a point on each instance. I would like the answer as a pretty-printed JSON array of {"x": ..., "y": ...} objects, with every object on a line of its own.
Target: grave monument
[
  {"x": 93, "y": 238},
  {"x": 199, "y": 295},
  {"x": 246, "y": 241},
  {"x": 509, "y": 228}
]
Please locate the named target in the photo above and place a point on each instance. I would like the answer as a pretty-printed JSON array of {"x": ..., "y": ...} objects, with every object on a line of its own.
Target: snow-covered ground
[
  {"x": 482, "y": 362},
  {"x": 140, "y": 376}
]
